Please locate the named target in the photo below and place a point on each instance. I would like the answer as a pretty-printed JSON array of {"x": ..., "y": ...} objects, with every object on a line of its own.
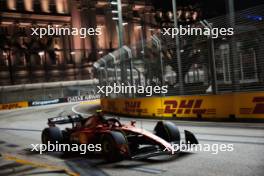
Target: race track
[{"x": 22, "y": 127}]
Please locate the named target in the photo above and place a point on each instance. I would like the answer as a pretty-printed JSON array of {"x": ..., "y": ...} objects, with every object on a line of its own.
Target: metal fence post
[
  {"x": 100, "y": 77},
  {"x": 177, "y": 40},
  {"x": 233, "y": 48},
  {"x": 114, "y": 60},
  {"x": 130, "y": 63},
  {"x": 158, "y": 44},
  {"x": 212, "y": 58},
  {"x": 139, "y": 76},
  {"x": 105, "y": 69},
  {"x": 213, "y": 66}
]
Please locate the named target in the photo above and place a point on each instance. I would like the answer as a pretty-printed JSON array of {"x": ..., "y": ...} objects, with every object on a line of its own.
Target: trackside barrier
[
  {"x": 229, "y": 105},
  {"x": 47, "y": 91},
  {"x": 82, "y": 99}
]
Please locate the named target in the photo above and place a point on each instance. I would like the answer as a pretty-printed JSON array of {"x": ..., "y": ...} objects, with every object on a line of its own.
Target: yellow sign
[
  {"x": 240, "y": 105},
  {"x": 13, "y": 105}
]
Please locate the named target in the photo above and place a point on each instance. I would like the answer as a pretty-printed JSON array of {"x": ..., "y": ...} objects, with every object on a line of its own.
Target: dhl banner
[
  {"x": 239, "y": 105},
  {"x": 16, "y": 105}
]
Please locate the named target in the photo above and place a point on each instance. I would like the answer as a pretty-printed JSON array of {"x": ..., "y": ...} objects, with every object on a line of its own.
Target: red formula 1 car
[{"x": 118, "y": 141}]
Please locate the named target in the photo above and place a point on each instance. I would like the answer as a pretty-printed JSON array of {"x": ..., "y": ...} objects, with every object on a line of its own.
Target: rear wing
[{"x": 65, "y": 119}]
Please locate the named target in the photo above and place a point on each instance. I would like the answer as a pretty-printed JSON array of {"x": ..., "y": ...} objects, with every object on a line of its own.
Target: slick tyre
[
  {"x": 167, "y": 131},
  {"x": 111, "y": 146},
  {"x": 51, "y": 134}
]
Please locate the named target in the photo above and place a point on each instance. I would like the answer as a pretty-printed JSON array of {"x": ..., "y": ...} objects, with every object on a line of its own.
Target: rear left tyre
[{"x": 51, "y": 134}]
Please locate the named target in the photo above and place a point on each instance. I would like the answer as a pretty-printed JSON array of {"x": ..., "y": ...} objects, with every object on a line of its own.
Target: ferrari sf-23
[{"x": 118, "y": 141}]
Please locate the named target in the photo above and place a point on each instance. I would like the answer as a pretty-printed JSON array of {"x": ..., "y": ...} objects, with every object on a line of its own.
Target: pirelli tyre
[
  {"x": 114, "y": 146},
  {"x": 52, "y": 135},
  {"x": 167, "y": 131}
]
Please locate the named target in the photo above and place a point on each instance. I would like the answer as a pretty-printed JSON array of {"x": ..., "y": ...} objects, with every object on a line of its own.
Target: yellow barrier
[
  {"x": 16, "y": 105},
  {"x": 240, "y": 105}
]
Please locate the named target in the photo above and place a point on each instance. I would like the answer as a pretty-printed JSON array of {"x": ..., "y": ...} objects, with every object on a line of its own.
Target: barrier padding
[{"x": 238, "y": 105}]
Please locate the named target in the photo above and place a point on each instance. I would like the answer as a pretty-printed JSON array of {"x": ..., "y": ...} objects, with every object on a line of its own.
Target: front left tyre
[{"x": 114, "y": 146}]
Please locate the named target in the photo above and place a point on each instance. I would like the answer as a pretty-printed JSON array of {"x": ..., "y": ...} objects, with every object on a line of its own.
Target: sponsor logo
[
  {"x": 39, "y": 103},
  {"x": 134, "y": 106},
  {"x": 258, "y": 109},
  {"x": 13, "y": 105},
  {"x": 191, "y": 106},
  {"x": 83, "y": 98}
]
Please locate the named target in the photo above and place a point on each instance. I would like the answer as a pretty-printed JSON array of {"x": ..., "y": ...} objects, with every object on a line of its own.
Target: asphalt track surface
[{"x": 22, "y": 127}]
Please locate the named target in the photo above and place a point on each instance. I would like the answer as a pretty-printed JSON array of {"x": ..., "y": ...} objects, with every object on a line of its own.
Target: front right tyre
[{"x": 168, "y": 131}]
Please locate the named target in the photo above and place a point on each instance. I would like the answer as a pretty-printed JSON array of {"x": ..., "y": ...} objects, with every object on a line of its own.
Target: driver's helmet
[
  {"x": 100, "y": 115},
  {"x": 99, "y": 112}
]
